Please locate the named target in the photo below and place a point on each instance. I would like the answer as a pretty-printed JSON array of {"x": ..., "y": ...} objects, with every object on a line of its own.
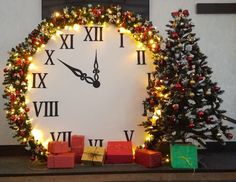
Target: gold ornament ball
[
  {"x": 208, "y": 92},
  {"x": 192, "y": 82},
  {"x": 191, "y": 94}
]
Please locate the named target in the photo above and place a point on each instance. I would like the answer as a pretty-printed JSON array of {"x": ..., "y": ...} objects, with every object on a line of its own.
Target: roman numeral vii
[{"x": 46, "y": 108}]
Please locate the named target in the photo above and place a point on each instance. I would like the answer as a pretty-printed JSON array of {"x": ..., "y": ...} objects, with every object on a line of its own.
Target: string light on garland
[{"x": 17, "y": 80}]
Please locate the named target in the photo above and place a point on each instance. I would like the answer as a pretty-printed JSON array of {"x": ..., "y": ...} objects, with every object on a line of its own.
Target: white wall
[{"x": 217, "y": 34}]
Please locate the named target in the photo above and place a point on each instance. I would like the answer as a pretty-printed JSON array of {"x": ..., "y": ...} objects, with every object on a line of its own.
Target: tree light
[
  {"x": 37, "y": 134},
  {"x": 56, "y": 14},
  {"x": 76, "y": 27}
]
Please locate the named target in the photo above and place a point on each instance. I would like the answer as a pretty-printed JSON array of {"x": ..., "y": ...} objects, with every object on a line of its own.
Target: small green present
[
  {"x": 183, "y": 156},
  {"x": 93, "y": 156}
]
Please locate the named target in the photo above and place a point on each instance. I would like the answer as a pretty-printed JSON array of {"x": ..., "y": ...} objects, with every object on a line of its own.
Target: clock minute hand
[
  {"x": 96, "y": 83},
  {"x": 79, "y": 73}
]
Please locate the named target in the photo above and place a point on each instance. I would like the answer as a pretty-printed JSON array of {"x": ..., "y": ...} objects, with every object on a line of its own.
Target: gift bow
[
  {"x": 186, "y": 159},
  {"x": 93, "y": 154}
]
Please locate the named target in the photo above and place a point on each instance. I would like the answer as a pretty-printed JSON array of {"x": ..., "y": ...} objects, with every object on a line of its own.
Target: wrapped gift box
[
  {"x": 148, "y": 158},
  {"x": 66, "y": 160},
  {"x": 119, "y": 152},
  {"x": 58, "y": 147},
  {"x": 183, "y": 156},
  {"x": 77, "y": 146},
  {"x": 93, "y": 156},
  {"x": 77, "y": 141}
]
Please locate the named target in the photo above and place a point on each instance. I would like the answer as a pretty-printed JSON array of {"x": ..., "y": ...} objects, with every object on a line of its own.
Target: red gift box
[
  {"x": 58, "y": 147},
  {"x": 119, "y": 152},
  {"x": 66, "y": 160},
  {"x": 77, "y": 141},
  {"x": 77, "y": 146},
  {"x": 148, "y": 158}
]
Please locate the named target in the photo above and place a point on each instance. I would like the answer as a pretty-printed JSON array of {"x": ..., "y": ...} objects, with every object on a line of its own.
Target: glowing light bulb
[
  {"x": 37, "y": 134},
  {"x": 56, "y": 14},
  {"x": 76, "y": 27},
  {"x": 30, "y": 58}
]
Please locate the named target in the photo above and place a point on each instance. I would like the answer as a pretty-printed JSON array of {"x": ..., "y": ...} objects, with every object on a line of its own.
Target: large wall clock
[{"x": 83, "y": 71}]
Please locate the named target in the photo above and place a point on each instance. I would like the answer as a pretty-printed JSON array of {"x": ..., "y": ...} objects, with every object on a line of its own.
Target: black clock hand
[
  {"x": 96, "y": 83},
  {"x": 82, "y": 75}
]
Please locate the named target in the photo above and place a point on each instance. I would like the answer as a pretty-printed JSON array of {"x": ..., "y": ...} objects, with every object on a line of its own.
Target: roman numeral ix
[
  {"x": 47, "y": 108},
  {"x": 40, "y": 77}
]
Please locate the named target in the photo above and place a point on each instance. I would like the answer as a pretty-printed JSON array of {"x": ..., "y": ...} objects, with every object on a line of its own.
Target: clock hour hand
[{"x": 81, "y": 75}]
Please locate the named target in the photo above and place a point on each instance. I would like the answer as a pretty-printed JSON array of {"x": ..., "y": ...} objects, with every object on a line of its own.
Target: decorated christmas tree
[{"x": 183, "y": 103}]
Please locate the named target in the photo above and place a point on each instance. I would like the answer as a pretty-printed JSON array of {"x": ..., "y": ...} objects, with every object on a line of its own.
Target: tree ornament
[
  {"x": 191, "y": 124},
  {"x": 189, "y": 58},
  {"x": 200, "y": 114},
  {"x": 191, "y": 94},
  {"x": 175, "y": 35},
  {"x": 229, "y": 136},
  {"x": 185, "y": 12},
  {"x": 208, "y": 92},
  {"x": 178, "y": 86},
  {"x": 192, "y": 82},
  {"x": 218, "y": 135},
  {"x": 200, "y": 78},
  {"x": 5, "y": 70},
  {"x": 175, "y": 107}
]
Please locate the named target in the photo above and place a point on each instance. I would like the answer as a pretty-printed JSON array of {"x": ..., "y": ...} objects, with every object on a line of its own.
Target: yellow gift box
[{"x": 93, "y": 156}]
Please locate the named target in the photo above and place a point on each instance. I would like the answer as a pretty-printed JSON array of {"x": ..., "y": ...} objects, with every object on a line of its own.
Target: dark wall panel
[
  {"x": 216, "y": 8},
  {"x": 138, "y": 6}
]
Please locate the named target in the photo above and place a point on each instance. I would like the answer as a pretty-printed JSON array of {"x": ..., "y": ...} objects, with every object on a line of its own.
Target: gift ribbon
[
  {"x": 93, "y": 155},
  {"x": 188, "y": 162}
]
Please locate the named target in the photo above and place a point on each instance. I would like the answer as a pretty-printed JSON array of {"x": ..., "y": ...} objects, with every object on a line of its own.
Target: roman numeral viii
[
  {"x": 46, "y": 108},
  {"x": 93, "y": 33}
]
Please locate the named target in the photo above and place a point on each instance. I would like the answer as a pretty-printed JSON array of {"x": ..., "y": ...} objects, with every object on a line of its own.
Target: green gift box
[
  {"x": 93, "y": 156},
  {"x": 183, "y": 156}
]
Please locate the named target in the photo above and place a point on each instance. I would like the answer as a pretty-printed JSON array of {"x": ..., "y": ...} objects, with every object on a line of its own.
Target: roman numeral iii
[
  {"x": 93, "y": 33},
  {"x": 46, "y": 108}
]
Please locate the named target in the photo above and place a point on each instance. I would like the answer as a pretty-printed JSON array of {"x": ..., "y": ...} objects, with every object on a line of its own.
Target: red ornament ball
[
  {"x": 174, "y": 14},
  {"x": 5, "y": 70},
  {"x": 229, "y": 136},
  {"x": 191, "y": 125},
  {"x": 175, "y": 107},
  {"x": 200, "y": 114},
  {"x": 185, "y": 12},
  {"x": 178, "y": 86},
  {"x": 189, "y": 58},
  {"x": 27, "y": 109},
  {"x": 175, "y": 35}
]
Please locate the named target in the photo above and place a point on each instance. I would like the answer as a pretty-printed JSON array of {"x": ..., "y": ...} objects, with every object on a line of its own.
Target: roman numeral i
[{"x": 47, "y": 108}]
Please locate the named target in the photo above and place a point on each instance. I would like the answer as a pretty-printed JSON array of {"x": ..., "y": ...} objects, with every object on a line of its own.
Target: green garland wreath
[{"x": 15, "y": 72}]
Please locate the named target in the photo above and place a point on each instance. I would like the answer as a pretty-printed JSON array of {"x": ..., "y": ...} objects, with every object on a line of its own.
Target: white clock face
[{"x": 105, "y": 105}]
